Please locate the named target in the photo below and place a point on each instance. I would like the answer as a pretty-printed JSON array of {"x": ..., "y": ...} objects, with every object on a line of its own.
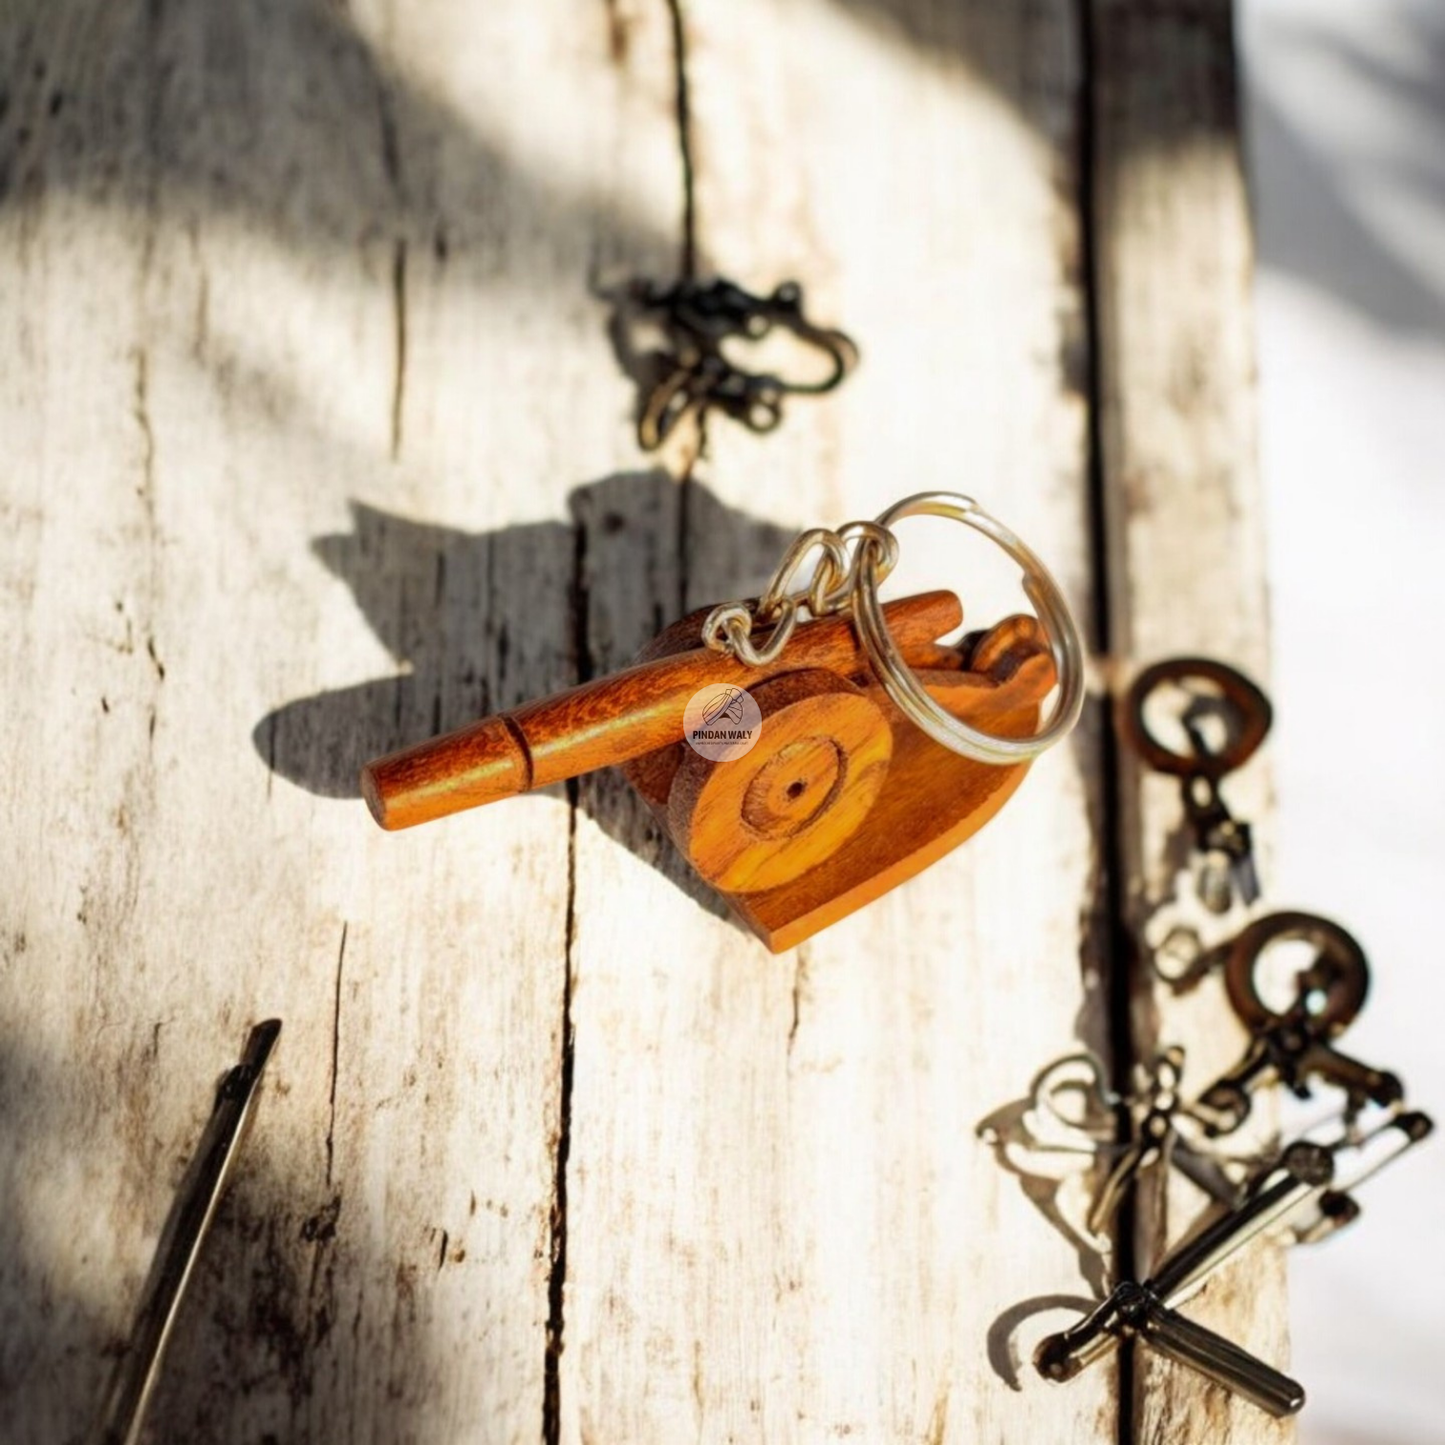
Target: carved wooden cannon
[{"x": 840, "y": 799}]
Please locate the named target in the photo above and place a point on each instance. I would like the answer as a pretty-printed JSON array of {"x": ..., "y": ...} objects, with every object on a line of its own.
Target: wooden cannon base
[{"x": 933, "y": 798}]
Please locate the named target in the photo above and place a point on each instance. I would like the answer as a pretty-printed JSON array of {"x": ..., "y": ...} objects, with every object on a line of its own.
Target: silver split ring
[{"x": 904, "y": 687}]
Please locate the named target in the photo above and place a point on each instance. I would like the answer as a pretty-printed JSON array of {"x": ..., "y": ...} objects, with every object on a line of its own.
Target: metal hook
[{"x": 698, "y": 318}]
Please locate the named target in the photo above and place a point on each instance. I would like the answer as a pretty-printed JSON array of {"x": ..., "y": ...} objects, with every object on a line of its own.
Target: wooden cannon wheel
[{"x": 806, "y": 787}]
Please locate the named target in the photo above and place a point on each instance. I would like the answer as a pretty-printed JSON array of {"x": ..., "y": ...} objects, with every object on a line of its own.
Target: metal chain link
[
  {"x": 849, "y": 582},
  {"x": 730, "y": 626}
]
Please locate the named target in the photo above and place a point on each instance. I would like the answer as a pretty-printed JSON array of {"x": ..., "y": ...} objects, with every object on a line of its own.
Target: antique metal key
[
  {"x": 1072, "y": 1111},
  {"x": 699, "y": 319},
  {"x": 1295, "y": 1046},
  {"x": 1155, "y": 1119},
  {"x": 1358, "y": 1156},
  {"x": 1224, "y": 842}
]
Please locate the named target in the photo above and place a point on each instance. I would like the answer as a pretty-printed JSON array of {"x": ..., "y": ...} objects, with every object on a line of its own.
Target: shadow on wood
[
  {"x": 1048, "y": 1176},
  {"x": 251, "y": 1332},
  {"x": 1003, "y": 1352},
  {"x": 225, "y": 99},
  {"x": 443, "y": 602},
  {"x": 299, "y": 1298}
]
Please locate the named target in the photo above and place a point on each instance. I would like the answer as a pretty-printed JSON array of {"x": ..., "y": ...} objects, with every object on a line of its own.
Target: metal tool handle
[
  {"x": 181, "y": 1240},
  {"x": 1359, "y": 1080},
  {"x": 1190, "y": 1343}
]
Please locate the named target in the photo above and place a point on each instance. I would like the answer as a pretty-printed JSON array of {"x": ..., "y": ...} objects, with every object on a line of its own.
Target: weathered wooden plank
[
  {"x": 310, "y": 361},
  {"x": 781, "y": 1224},
  {"x": 1172, "y": 244},
  {"x": 305, "y": 362}
]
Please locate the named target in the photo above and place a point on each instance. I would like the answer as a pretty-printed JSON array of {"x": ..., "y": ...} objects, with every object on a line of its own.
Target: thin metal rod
[
  {"x": 1355, "y": 1162},
  {"x": 1221, "y": 1360},
  {"x": 1307, "y": 1170},
  {"x": 181, "y": 1240}
]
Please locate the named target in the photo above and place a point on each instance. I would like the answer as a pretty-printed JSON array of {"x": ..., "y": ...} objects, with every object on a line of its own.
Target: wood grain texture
[
  {"x": 316, "y": 443},
  {"x": 306, "y": 362},
  {"x": 780, "y": 1222},
  {"x": 1173, "y": 261}
]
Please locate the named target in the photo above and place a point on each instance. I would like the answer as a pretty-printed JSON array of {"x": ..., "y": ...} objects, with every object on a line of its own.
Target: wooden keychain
[{"x": 803, "y": 767}]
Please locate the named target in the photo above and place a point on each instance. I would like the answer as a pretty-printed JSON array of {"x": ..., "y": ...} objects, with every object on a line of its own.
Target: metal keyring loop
[
  {"x": 832, "y": 568},
  {"x": 1251, "y": 708},
  {"x": 1343, "y": 979},
  {"x": 906, "y": 690}
]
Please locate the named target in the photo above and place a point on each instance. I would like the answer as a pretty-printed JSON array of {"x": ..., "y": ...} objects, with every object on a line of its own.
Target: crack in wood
[
  {"x": 398, "y": 310},
  {"x": 557, "y": 1277},
  {"x": 687, "y": 261},
  {"x": 800, "y": 982},
  {"x": 1110, "y": 936},
  {"x": 391, "y": 165},
  {"x": 390, "y": 148},
  {"x": 140, "y": 411},
  {"x": 335, "y": 1054}
]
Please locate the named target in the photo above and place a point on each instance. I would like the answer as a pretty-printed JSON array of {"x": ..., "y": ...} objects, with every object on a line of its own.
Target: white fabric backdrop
[{"x": 1346, "y": 107}]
